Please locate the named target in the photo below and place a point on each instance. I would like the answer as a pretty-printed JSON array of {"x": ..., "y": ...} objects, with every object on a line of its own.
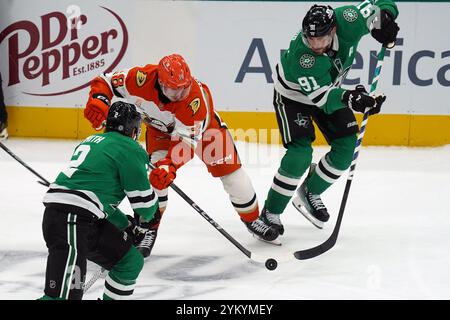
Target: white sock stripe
[
  {"x": 116, "y": 296},
  {"x": 118, "y": 286},
  {"x": 291, "y": 181},
  {"x": 330, "y": 168},
  {"x": 324, "y": 176},
  {"x": 284, "y": 192}
]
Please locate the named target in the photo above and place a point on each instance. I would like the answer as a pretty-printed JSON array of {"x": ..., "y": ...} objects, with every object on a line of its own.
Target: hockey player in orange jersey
[{"x": 181, "y": 120}]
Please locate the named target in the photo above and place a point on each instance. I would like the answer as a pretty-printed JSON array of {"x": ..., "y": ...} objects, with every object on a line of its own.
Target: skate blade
[
  {"x": 275, "y": 242},
  {"x": 317, "y": 223}
]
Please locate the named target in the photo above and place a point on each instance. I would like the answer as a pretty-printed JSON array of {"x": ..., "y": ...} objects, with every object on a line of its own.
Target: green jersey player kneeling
[
  {"x": 81, "y": 218},
  {"x": 308, "y": 88}
]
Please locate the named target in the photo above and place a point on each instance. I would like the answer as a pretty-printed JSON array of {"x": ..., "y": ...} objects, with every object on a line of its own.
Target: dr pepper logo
[{"x": 62, "y": 53}]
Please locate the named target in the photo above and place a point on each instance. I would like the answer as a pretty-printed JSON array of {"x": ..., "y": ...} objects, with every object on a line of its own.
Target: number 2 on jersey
[{"x": 79, "y": 155}]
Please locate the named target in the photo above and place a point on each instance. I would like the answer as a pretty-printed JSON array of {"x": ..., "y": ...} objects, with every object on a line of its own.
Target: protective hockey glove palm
[
  {"x": 359, "y": 100},
  {"x": 163, "y": 175},
  {"x": 96, "y": 110},
  {"x": 388, "y": 30}
]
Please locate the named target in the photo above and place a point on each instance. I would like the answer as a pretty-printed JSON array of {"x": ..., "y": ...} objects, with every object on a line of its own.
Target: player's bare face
[
  {"x": 320, "y": 44},
  {"x": 176, "y": 94}
]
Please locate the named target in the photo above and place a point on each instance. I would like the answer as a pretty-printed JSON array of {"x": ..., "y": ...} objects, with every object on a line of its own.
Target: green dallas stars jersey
[
  {"x": 313, "y": 79},
  {"x": 105, "y": 168}
]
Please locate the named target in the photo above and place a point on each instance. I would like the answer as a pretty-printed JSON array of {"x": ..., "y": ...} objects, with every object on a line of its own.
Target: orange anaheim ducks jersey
[{"x": 187, "y": 119}]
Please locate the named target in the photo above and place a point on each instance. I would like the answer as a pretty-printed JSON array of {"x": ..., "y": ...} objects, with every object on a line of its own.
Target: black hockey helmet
[
  {"x": 125, "y": 119},
  {"x": 319, "y": 21}
]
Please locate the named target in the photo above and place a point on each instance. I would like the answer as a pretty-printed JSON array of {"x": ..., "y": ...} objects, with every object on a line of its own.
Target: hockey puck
[{"x": 271, "y": 264}]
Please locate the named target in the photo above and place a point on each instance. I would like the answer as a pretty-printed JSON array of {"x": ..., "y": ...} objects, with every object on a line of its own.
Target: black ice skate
[
  {"x": 146, "y": 245},
  {"x": 273, "y": 220},
  {"x": 310, "y": 205},
  {"x": 262, "y": 231}
]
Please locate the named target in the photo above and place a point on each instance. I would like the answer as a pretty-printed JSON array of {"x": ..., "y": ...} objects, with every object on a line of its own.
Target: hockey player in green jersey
[
  {"x": 308, "y": 87},
  {"x": 81, "y": 218}
]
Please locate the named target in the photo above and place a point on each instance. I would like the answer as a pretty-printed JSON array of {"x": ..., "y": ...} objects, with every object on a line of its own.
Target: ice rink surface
[{"x": 394, "y": 241}]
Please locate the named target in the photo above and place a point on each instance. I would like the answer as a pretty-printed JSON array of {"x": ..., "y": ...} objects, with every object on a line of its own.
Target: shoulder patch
[
  {"x": 307, "y": 61},
  {"x": 350, "y": 15},
  {"x": 140, "y": 78},
  {"x": 195, "y": 105}
]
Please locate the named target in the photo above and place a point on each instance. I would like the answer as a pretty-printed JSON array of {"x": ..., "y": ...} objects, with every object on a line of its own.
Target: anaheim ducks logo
[
  {"x": 195, "y": 105},
  {"x": 307, "y": 61},
  {"x": 350, "y": 15},
  {"x": 140, "y": 78}
]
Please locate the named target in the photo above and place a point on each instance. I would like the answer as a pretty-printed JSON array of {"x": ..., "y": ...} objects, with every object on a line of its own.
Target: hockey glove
[
  {"x": 96, "y": 110},
  {"x": 131, "y": 227},
  {"x": 140, "y": 232},
  {"x": 387, "y": 32},
  {"x": 359, "y": 100},
  {"x": 136, "y": 230},
  {"x": 163, "y": 175}
]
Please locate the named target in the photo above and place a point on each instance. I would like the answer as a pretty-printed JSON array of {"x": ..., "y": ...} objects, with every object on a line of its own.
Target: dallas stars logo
[
  {"x": 307, "y": 61},
  {"x": 302, "y": 121},
  {"x": 350, "y": 15}
]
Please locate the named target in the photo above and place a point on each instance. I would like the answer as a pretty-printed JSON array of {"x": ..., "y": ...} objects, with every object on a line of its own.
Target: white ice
[{"x": 394, "y": 241}]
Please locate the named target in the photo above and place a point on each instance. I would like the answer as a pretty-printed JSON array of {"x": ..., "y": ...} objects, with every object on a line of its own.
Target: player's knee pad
[
  {"x": 240, "y": 190},
  {"x": 341, "y": 154},
  {"x": 297, "y": 158}
]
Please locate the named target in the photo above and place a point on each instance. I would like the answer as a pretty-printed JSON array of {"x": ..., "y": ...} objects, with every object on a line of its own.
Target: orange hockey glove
[
  {"x": 163, "y": 175},
  {"x": 96, "y": 110}
]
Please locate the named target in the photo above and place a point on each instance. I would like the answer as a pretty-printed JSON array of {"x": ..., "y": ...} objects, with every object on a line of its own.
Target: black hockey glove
[
  {"x": 131, "y": 226},
  {"x": 359, "y": 100},
  {"x": 388, "y": 30},
  {"x": 136, "y": 231}
]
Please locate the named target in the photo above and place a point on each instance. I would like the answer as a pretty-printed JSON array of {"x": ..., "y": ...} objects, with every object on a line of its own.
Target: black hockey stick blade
[{"x": 44, "y": 183}]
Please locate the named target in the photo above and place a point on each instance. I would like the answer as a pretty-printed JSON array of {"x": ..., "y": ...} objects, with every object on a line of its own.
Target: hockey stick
[
  {"x": 270, "y": 263},
  {"x": 330, "y": 242},
  {"x": 43, "y": 180}
]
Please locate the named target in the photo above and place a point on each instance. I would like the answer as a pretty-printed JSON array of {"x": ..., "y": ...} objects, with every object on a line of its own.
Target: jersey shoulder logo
[
  {"x": 195, "y": 105},
  {"x": 307, "y": 61},
  {"x": 140, "y": 78},
  {"x": 350, "y": 15}
]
